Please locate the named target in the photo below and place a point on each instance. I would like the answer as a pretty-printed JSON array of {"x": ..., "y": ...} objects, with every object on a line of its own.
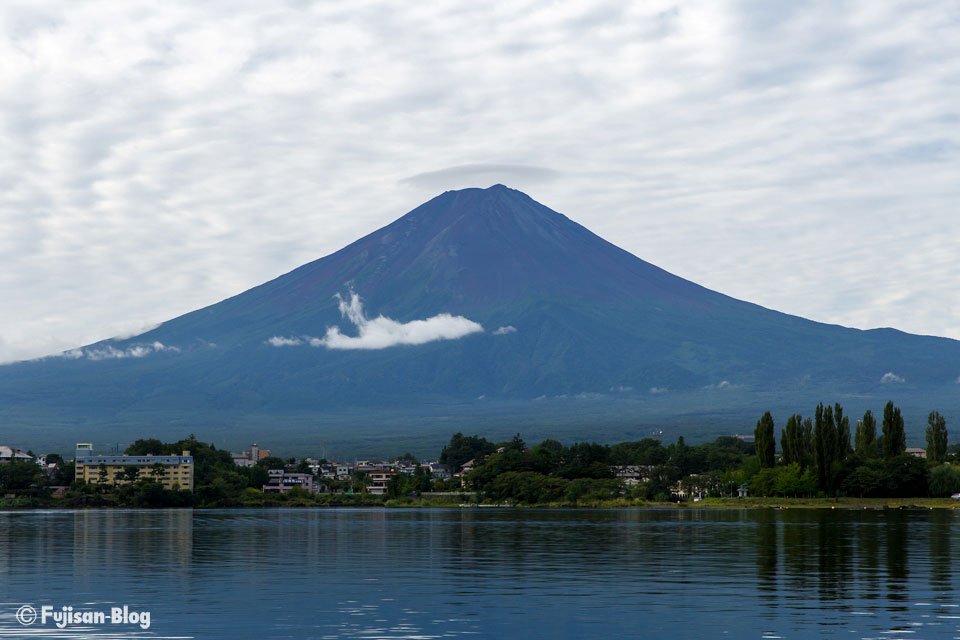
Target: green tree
[
  {"x": 17, "y": 476},
  {"x": 865, "y": 482},
  {"x": 843, "y": 433},
  {"x": 764, "y": 441},
  {"x": 54, "y": 458},
  {"x": 463, "y": 448},
  {"x": 894, "y": 439},
  {"x": 936, "y": 438},
  {"x": 149, "y": 446},
  {"x": 944, "y": 481},
  {"x": 516, "y": 444},
  {"x": 825, "y": 445},
  {"x": 788, "y": 441},
  {"x": 865, "y": 444},
  {"x": 272, "y": 462}
]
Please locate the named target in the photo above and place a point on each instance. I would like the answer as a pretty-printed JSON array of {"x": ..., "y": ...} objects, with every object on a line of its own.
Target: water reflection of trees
[{"x": 941, "y": 575}]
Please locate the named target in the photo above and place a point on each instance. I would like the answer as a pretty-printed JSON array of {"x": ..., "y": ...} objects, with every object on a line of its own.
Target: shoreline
[{"x": 848, "y": 504}]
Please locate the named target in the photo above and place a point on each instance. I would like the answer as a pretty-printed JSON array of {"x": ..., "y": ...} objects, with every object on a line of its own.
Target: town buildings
[
  {"x": 12, "y": 454},
  {"x": 170, "y": 471},
  {"x": 250, "y": 457},
  {"x": 283, "y": 481}
]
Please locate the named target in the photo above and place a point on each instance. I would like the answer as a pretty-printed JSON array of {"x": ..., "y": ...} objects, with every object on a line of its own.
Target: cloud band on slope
[
  {"x": 382, "y": 332},
  {"x": 112, "y": 353}
]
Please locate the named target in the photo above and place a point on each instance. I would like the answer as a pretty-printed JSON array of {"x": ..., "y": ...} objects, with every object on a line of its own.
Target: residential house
[
  {"x": 377, "y": 481},
  {"x": 281, "y": 481},
  {"x": 439, "y": 471},
  {"x": 11, "y": 454}
]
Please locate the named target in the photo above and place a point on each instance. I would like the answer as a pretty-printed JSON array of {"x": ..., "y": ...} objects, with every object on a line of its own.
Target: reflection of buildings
[
  {"x": 167, "y": 470},
  {"x": 111, "y": 545}
]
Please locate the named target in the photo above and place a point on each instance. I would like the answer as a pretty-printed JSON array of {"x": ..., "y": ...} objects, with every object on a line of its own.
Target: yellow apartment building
[{"x": 167, "y": 470}]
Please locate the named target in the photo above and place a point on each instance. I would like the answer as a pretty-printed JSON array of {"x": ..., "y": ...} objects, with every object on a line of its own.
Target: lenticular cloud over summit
[{"x": 382, "y": 332}]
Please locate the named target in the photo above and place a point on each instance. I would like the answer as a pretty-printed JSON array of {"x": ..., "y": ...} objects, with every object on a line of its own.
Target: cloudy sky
[{"x": 158, "y": 158}]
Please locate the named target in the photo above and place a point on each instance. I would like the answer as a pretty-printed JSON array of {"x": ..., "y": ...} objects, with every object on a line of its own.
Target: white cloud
[
  {"x": 481, "y": 174},
  {"x": 382, "y": 332},
  {"x": 126, "y": 335},
  {"x": 723, "y": 384},
  {"x": 502, "y": 331},
  {"x": 658, "y": 390},
  {"x": 279, "y": 341},
  {"x": 159, "y": 159},
  {"x": 891, "y": 377},
  {"x": 112, "y": 353}
]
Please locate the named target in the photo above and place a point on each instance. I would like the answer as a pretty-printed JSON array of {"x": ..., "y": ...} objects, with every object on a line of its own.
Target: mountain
[{"x": 480, "y": 310}]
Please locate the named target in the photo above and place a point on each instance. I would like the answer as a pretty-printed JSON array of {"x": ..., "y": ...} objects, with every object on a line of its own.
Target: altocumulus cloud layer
[
  {"x": 160, "y": 158},
  {"x": 382, "y": 332}
]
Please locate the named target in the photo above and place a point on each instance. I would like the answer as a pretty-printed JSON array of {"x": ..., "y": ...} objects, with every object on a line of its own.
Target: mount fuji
[{"x": 482, "y": 311}]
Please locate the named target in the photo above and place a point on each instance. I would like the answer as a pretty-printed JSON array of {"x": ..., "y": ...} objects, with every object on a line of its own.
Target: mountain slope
[{"x": 565, "y": 314}]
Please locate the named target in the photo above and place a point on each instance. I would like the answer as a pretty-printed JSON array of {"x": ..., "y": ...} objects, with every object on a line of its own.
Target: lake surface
[{"x": 486, "y": 573}]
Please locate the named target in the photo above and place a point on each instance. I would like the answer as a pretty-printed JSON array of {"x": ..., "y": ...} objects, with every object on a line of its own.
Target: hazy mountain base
[{"x": 383, "y": 432}]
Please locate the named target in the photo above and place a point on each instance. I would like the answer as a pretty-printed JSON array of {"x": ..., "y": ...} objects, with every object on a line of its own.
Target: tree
[
  {"x": 303, "y": 467},
  {"x": 18, "y": 475},
  {"x": 894, "y": 438},
  {"x": 944, "y": 481},
  {"x": 795, "y": 440},
  {"x": 825, "y": 445},
  {"x": 54, "y": 458},
  {"x": 156, "y": 471},
  {"x": 764, "y": 440},
  {"x": 865, "y": 444},
  {"x": 148, "y": 446},
  {"x": 806, "y": 442},
  {"x": 272, "y": 462},
  {"x": 516, "y": 444},
  {"x": 102, "y": 472},
  {"x": 463, "y": 448},
  {"x": 936, "y": 438},
  {"x": 843, "y": 433}
]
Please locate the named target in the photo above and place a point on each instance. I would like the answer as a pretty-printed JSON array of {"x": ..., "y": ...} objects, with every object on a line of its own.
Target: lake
[{"x": 484, "y": 573}]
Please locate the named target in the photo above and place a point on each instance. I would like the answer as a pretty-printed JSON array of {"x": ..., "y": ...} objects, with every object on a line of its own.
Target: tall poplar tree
[
  {"x": 936, "y": 438},
  {"x": 843, "y": 433},
  {"x": 796, "y": 441},
  {"x": 764, "y": 439},
  {"x": 866, "y": 437},
  {"x": 824, "y": 437},
  {"x": 894, "y": 439},
  {"x": 806, "y": 443},
  {"x": 788, "y": 439}
]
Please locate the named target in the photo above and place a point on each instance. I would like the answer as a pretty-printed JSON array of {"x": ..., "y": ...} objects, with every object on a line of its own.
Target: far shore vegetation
[{"x": 821, "y": 462}]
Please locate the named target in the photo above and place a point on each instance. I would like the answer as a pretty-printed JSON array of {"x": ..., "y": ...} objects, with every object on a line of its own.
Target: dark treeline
[
  {"x": 819, "y": 457},
  {"x": 551, "y": 472}
]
